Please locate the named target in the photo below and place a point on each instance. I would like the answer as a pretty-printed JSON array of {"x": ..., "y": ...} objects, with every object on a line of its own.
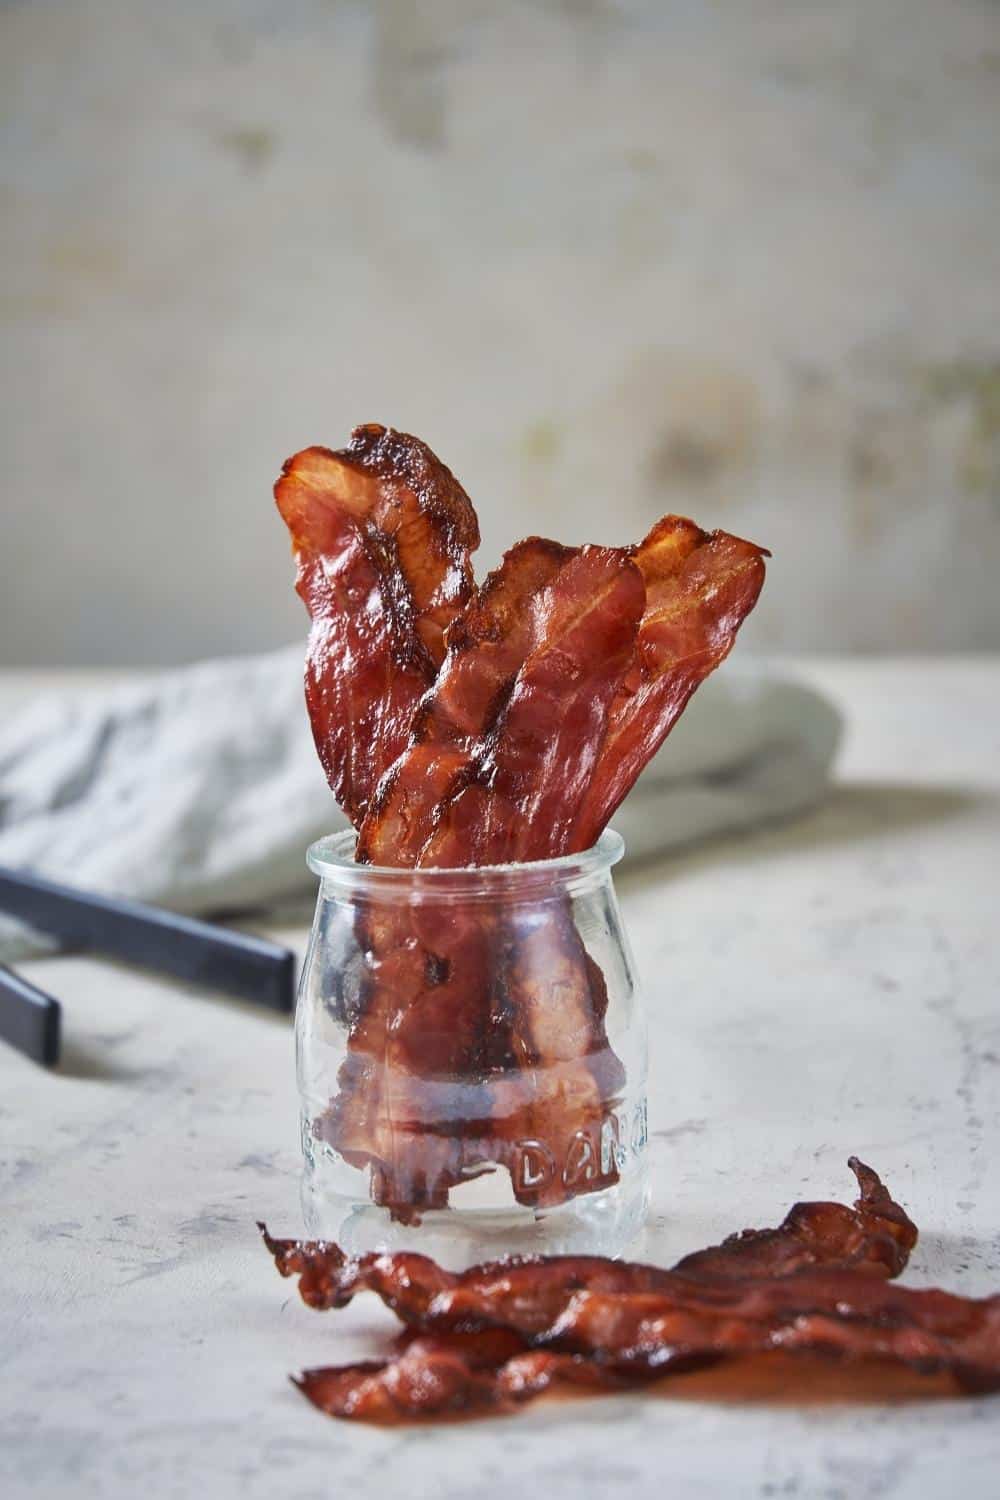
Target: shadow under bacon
[{"x": 530, "y": 706}]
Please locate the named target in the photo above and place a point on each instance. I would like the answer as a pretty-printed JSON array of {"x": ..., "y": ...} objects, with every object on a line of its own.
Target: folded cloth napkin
[{"x": 199, "y": 788}]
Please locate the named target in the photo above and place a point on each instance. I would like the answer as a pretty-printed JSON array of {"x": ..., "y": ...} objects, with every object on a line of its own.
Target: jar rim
[{"x": 332, "y": 858}]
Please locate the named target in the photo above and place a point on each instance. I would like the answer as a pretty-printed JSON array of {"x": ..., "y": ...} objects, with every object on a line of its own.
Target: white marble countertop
[{"x": 828, "y": 987}]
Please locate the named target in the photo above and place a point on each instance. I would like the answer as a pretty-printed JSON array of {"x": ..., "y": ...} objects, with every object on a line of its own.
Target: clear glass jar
[{"x": 471, "y": 1058}]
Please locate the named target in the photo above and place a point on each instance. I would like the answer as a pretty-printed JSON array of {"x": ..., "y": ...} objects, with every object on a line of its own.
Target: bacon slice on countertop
[
  {"x": 382, "y": 533},
  {"x": 700, "y": 587},
  {"x": 606, "y": 1342},
  {"x": 874, "y": 1237},
  {"x": 449, "y": 1375},
  {"x": 493, "y": 1336}
]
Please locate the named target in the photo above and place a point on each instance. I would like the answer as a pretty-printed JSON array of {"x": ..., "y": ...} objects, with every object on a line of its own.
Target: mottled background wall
[{"x": 609, "y": 258}]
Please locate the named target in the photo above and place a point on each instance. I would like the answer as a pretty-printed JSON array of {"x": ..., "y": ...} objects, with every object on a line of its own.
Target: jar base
[{"x": 601, "y": 1223}]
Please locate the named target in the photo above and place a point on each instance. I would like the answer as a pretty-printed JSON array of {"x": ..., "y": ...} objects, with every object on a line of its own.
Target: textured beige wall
[{"x": 609, "y": 259}]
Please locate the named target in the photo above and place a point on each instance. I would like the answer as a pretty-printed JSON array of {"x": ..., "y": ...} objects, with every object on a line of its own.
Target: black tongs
[{"x": 147, "y": 936}]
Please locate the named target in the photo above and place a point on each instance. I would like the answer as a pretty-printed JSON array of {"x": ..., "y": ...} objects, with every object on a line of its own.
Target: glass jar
[{"x": 471, "y": 1058}]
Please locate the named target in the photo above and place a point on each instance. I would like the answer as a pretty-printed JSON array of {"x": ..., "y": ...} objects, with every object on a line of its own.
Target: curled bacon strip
[
  {"x": 874, "y": 1237},
  {"x": 700, "y": 587},
  {"x": 382, "y": 533},
  {"x": 606, "y": 1342},
  {"x": 500, "y": 1333}
]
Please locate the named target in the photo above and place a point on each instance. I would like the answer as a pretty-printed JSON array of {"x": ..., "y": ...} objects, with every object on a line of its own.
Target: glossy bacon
[
  {"x": 874, "y": 1238},
  {"x": 442, "y": 977},
  {"x": 486, "y": 647},
  {"x": 475, "y": 1037},
  {"x": 606, "y": 1342},
  {"x": 505, "y": 743},
  {"x": 700, "y": 587},
  {"x": 488, "y": 1338},
  {"x": 461, "y": 727},
  {"x": 381, "y": 533},
  {"x": 526, "y": 781},
  {"x": 562, "y": 1080},
  {"x": 449, "y": 1375},
  {"x": 503, "y": 746},
  {"x": 412, "y": 1100}
]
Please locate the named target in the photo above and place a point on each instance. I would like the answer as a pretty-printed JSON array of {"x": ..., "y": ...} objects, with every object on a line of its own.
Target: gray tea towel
[{"x": 199, "y": 788}]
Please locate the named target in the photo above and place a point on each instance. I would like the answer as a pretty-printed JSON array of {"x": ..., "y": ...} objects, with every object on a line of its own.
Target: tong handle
[
  {"x": 200, "y": 952},
  {"x": 30, "y": 1019}
]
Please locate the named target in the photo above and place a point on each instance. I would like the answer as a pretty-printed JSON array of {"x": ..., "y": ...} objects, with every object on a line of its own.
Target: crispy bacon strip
[
  {"x": 449, "y": 1375},
  {"x": 607, "y": 1342},
  {"x": 562, "y": 1079},
  {"x": 513, "y": 723},
  {"x": 382, "y": 533},
  {"x": 486, "y": 648},
  {"x": 524, "y": 785},
  {"x": 840, "y": 1311},
  {"x": 874, "y": 1238},
  {"x": 700, "y": 587},
  {"x": 477, "y": 1037},
  {"x": 505, "y": 743},
  {"x": 412, "y": 1098},
  {"x": 426, "y": 982},
  {"x": 498, "y": 1334}
]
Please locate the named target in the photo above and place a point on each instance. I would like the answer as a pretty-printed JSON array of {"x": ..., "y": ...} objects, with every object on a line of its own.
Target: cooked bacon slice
[
  {"x": 382, "y": 533},
  {"x": 503, "y": 747},
  {"x": 526, "y": 781},
  {"x": 445, "y": 977},
  {"x": 606, "y": 1342},
  {"x": 497, "y": 1334},
  {"x": 461, "y": 728},
  {"x": 813, "y": 1311},
  {"x": 475, "y": 1037},
  {"x": 486, "y": 648},
  {"x": 519, "y": 710},
  {"x": 449, "y": 1375},
  {"x": 874, "y": 1237},
  {"x": 700, "y": 587},
  {"x": 562, "y": 1080},
  {"x": 412, "y": 1101}
]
